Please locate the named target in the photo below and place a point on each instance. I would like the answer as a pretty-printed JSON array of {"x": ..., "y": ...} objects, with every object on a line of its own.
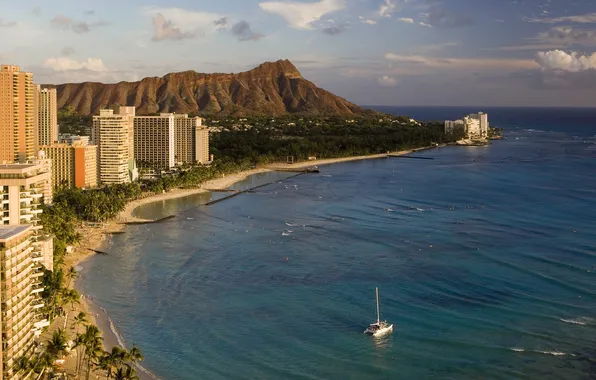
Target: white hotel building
[
  {"x": 475, "y": 126},
  {"x": 154, "y": 141}
]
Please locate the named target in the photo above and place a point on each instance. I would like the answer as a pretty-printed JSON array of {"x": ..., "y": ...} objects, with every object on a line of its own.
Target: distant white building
[{"x": 475, "y": 126}]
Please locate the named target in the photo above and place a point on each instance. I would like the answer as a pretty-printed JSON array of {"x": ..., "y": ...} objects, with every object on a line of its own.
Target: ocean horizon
[{"x": 485, "y": 258}]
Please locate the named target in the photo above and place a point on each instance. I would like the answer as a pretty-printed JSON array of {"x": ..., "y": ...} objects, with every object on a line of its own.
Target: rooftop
[{"x": 7, "y": 232}]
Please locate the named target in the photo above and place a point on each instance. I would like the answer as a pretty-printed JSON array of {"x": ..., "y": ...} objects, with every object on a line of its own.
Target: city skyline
[{"x": 372, "y": 52}]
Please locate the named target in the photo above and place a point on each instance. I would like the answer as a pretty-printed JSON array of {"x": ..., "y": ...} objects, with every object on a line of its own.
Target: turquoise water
[{"x": 485, "y": 258}]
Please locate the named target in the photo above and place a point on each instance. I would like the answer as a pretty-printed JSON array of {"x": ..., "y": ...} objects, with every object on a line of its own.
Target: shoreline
[{"x": 94, "y": 238}]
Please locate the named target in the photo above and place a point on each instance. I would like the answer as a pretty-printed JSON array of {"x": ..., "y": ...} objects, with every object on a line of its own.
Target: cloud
[
  {"x": 221, "y": 23},
  {"x": 387, "y": 8},
  {"x": 66, "y": 64},
  {"x": 5, "y": 24},
  {"x": 406, "y": 20},
  {"x": 420, "y": 61},
  {"x": 165, "y": 30},
  {"x": 439, "y": 18},
  {"x": 387, "y": 81},
  {"x": 532, "y": 47},
  {"x": 302, "y": 15},
  {"x": 588, "y": 18},
  {"x": 333, "y": 30},
  {"x": 36, "y": 11},
  {"x": 367, "y": 21},
  {"x": 179, "y": 24},
  {"x": 79, "y": 27},
  {"x": 67, "y": 51},
  {"x": 559, "y": 60},
  {"x": 436, "y": 47},
  {"x": 90, "y": 12},
  {"x": 561, "y": 35},
  {"x": 243, "y": 32}
]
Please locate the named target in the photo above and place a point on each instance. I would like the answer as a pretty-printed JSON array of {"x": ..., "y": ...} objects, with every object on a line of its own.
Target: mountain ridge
[{"x": 272, "y": 88}]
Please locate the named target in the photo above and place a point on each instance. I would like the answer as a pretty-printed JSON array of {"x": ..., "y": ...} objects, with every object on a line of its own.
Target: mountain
[{"x": 273, "y": 88}]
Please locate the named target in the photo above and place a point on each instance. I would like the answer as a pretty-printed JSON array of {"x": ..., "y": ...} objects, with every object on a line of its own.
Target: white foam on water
[
  {"x": 582, "y": 321},
  {"x": 554, "y": 353},
  {"x": 517, "y": 349}
]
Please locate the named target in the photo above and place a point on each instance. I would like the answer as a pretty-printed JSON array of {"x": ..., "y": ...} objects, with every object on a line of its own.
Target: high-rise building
[
  {"x": 18, "y": 115},
  {"x": 47, "y": 116},
  {"x": 154, "y": 141},
  {"x": 113, "y": 133},
  {"x": 192, "y": 140},
  {"x": 475, "y": 125},
  {"x": 73, "y": 165},
  {"x": 23, "y": 187},
  {"x": 20, "y": 287}
]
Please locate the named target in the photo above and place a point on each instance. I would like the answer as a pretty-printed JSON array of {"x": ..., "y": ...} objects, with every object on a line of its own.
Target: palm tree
[
  {"x": 79, "y": 320},
  {"x": 126, "y": 373},
  {"x": 72, "y": 297},
  {"x": 135, "y": 354},
  {"x": 72, "y": 274},
  {"x": 87, "y": 341},
  {"x": 94, "y": 350},
  {"x": 57, "y": 344}
]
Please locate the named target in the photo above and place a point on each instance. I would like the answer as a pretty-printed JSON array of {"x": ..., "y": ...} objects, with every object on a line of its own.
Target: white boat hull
[{"x": 383, "y": 331}]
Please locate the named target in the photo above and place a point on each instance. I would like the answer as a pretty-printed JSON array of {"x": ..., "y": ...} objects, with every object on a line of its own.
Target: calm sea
[{"x": 485, "y": 258}]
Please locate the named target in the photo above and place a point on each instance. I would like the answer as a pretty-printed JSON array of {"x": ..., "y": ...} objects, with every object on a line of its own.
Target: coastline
[{"x": 94, "y": 238}]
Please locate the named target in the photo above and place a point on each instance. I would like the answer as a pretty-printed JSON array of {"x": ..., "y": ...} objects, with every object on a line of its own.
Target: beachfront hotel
[
  {"x": 475, "y": 126},
  {"x": 18, "y": 115},
  {"x": 113, "y": 133},
  {"x": 47, "y": 116},
  {"x": 74, "y": 164},
  {"x": 192, "y": 140},
  {"x": 154, "y": 141},
  {"x": 20, "y": 288},
  {"x": 23, "y": 188}
]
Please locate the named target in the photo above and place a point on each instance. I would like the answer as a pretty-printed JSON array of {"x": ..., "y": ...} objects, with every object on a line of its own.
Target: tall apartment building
[
  {"x": 18, "y": 115},
  {"x": 73, "y": 165},
  {"x": 47, "y": 116},
  {"x": 20, "y": 289},
  {"x": 475, "y": 126},
  {"x": 154, "y": 141},
  {"x": 22, "y": 189},
  {"x": 113, "y": 133},
  {"x": 191, "y": 140}
]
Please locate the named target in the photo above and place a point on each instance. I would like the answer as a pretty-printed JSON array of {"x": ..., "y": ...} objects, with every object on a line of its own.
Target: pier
[
  {"x": 252, "y": 189},
  {"x": 413, "y": 157},
  {"x": 150, "y": 221}
]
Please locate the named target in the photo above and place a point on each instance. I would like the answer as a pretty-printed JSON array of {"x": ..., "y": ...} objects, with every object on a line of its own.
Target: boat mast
[{"x": 378, "y": 312}]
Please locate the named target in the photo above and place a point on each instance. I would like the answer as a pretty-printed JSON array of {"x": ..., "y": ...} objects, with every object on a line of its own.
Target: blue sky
[{"x": 372, "y": 52}]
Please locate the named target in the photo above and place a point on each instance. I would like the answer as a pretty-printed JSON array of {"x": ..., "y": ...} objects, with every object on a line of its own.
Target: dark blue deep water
[{"x": 485, "y": 258}]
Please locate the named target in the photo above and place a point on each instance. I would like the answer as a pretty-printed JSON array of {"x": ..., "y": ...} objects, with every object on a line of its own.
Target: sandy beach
[{"x": 93, "y": 238}]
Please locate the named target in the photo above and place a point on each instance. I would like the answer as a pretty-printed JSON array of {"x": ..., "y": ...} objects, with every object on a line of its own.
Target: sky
[{"x": 371, "y": 52}]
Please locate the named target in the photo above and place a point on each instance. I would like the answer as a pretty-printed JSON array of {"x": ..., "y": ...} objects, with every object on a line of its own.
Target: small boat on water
[{"x": 379, "y": 328}]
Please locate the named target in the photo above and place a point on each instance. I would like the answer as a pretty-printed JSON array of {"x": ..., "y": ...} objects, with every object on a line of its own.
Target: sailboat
[{"x": 379, "y": 328}]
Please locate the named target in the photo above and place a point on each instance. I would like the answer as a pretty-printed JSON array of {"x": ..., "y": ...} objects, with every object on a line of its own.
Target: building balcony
[
  {"x": 36, "y": 211},
  {"x": 37, "y": 289},
  {"x": 37, "y": 304}
]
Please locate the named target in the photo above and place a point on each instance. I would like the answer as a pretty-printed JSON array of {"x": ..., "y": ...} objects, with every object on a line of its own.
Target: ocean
[{"x": 485, "y": 258}]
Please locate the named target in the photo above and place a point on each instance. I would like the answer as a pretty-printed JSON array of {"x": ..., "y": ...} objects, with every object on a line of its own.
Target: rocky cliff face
[{"x": 273, "y": 88}]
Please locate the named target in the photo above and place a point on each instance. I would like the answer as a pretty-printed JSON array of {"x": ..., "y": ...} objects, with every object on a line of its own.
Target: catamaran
[{"x": 379, "y": 328}]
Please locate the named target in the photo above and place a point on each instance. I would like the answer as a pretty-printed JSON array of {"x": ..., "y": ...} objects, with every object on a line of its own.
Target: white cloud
[
  {"x": 387, "y": 81},
  {"x": 570, "y": 62},
  {"x": 367, "y": 21},
  {"x": 407, "y": 20},
  {"x": 425, "y": 24},
  {"x": 302, "y": 15},
  {"x": 563, "y": 35},
  {"x": 178, "y": 23},
  {"x": 462, "y": 63},
  {"x": 387, "y": 8},
  {"x": 67, "y": 64},
  {"x": 436, "y": 47},
  {"x": 588, "y": 18}
]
